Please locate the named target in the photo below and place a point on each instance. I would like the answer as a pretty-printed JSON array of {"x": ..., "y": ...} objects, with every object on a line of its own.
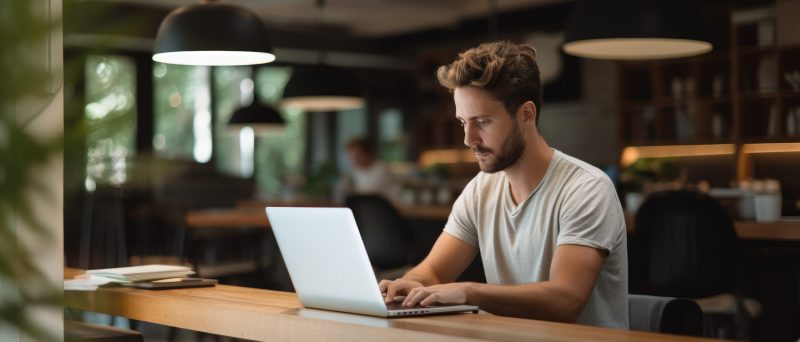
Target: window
[
  {"x": 391, "y": 138},
  {"x": 279, "y": 158},
  {"x": 271, "y": 159},
  {"x": 233, "y": 89},
  {"x": 111, "y": 118},
  {"x": 182, "y": 112}
]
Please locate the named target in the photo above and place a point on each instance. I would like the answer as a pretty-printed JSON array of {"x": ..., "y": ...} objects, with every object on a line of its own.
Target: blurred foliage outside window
[
  {"x": 110, "y": 102},
  {"x": 279, "y": 158},
  {"x": 273, "y": 159},
  {"x": 391, "y": 139},
  {"x": 233, "y": 89},
  {"x": 182, "y": 112}
]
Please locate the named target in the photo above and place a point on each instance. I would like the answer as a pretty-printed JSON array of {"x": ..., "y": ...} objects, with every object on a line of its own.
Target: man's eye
[{"x": 483, "y": 123}]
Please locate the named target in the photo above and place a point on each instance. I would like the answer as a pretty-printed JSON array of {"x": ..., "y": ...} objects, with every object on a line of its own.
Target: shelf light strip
[
  {"x": 631, "y": 153},
  {"x": 770, "y": 148},
  {"x": 446, "y": 156}
]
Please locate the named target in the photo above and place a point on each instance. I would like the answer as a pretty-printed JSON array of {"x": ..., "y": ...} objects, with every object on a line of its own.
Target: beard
[{"x": 510, "y": 152}]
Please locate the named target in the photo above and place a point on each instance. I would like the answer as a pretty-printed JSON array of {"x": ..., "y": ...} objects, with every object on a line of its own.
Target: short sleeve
[
  {"x": 592, "y": 216},
  {"x": 461, "y": 222}
]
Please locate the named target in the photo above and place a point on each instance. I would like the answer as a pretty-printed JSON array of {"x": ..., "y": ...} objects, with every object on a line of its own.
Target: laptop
[{"x": 329, "y": 267}]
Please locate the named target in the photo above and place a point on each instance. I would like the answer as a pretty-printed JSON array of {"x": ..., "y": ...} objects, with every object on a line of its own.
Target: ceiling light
[
  {"x": 322, "y": 88},
  {"x": 262, "y": 119},
  {"x": 212, "y": 34},
  {"x": 635, "y": 30}
]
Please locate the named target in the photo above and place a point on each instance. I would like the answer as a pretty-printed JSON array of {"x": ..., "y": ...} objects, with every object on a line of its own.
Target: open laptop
[{"x": 328, "y": 263}]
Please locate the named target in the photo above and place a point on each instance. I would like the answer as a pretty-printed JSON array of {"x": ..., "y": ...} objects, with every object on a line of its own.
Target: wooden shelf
[
  {"x": 759, "y": 96},
  {"x": 776, "y": 139},
  {"x": 717, "y": 93},
  {"x": 665, "y": 142},
  {"x": 710, "y": 100},
  {"x": 789, "y": 94},
  {"x": 672, "y": 101},
  {"x": 636, "y": 104},
  {"x": 757, "y": 50}
]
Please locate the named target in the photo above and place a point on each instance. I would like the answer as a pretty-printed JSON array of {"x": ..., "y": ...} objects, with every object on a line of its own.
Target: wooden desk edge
[{"x": 214, "y": 310}]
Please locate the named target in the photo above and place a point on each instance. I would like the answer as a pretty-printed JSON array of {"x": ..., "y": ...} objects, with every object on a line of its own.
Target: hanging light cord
[
  {"x": 322, "y": 54},
  {"x": 493, "y": 31}
]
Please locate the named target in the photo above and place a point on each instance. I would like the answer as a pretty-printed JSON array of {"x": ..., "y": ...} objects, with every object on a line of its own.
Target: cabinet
[{"x": 748, "y": 94}]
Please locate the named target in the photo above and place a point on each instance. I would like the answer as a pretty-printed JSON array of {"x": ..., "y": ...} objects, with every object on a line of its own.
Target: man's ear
[{"x": 527, "y": 113}]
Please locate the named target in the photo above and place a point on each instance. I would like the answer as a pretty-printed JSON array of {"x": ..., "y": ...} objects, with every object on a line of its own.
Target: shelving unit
[
  {"x": 742, "y": 96},
  {"x": 683, "y": 101},
  {"x": 438, "y": 127}
]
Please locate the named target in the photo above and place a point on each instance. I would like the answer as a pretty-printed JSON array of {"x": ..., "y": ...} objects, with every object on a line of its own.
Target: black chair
[
  {"x": 383, "y": 230},
  {"x": 685, "y": 245},
  {"x": 665, "y": 315}
]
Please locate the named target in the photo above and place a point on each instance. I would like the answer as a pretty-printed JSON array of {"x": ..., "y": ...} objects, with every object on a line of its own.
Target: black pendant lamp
[
  {"x": 322, "y": 88},
  {"x": 635, "y": 30},
  {"x": 212, "y": 33},
  {"x": 263, "y": 119}
]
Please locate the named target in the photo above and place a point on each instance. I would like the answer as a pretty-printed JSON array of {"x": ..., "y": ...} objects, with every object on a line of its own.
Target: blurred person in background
[{"x": 368, "y": 175}]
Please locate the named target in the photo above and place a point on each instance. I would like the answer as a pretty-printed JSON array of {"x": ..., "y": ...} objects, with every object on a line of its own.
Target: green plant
[
  {"x": 645, "y": 170},
  {"x": 26, "y": 88},
  {"x": 319, "y": 183}
]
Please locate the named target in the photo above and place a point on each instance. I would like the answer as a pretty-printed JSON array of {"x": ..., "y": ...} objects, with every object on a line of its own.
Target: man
[
  {"x": 549, "y": 227},
  {"x": 369, "y": 175}
]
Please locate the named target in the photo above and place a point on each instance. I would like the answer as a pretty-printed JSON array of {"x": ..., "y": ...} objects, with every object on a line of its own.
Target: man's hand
[
  {"x": 398, "y": 287},
  {"x": 453, "y": 293}
]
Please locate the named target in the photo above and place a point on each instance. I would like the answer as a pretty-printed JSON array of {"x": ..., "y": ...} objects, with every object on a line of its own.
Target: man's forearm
[
  {"x": 423, "y": 274},
  {"x": 543, "y": 300}
]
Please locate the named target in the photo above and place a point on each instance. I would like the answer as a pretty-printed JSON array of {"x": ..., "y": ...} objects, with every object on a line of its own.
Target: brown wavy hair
[{"x": 506, "y": 70}]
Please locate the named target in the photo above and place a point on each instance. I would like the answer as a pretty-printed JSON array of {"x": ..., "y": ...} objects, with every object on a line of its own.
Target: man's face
[{"x": 489, "y": 130}]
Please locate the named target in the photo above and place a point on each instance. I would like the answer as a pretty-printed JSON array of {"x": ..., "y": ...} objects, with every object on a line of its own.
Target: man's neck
[{"x": 526, "y": 174}]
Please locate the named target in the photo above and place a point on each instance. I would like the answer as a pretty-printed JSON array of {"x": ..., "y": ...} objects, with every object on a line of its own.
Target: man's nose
[{"x": 471, "y": 137}]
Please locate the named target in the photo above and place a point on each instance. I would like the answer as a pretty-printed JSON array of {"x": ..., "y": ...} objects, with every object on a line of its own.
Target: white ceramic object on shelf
[{"x": 768, "y": 207}]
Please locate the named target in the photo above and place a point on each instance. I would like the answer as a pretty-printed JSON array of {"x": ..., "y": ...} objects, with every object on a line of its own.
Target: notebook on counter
[{"x": 143, "y": 273}]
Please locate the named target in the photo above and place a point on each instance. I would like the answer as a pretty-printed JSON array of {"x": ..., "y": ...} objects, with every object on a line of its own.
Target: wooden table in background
[
  {"x": 414, "y": 212},
  {"x": 278, "y": 316},
  {"x": 254, "y": 216},
  {"x": 786, "y": 230}
]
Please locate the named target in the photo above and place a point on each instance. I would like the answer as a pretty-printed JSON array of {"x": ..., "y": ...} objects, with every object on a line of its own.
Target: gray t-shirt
[{"x": 575, "y": 203}]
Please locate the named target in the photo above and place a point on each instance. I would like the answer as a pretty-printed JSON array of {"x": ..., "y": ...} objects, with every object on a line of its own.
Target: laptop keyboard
[{"x": 399, "y": 306}]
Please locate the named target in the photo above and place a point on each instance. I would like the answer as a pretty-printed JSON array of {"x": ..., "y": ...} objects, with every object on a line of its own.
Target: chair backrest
[
  {"x": 665, "y": 315},
  {"x": 684, "y": 245},
  {"x": 383, "y": 230}
]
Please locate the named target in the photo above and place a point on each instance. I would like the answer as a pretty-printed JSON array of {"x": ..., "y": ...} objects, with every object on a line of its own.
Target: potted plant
[
  {"x": 640, "y": 177},
  {"x": 29, "y": 86}
]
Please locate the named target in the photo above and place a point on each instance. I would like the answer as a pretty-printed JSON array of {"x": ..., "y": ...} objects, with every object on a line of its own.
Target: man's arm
[
  {"x": 445, "y": 262},
  {"x": 573, "y": 273}
]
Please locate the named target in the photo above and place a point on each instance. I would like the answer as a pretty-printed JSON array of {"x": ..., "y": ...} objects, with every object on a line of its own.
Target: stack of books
[
  {"x": 145, "y": 276},
  {"x": 142, "y": 273}
]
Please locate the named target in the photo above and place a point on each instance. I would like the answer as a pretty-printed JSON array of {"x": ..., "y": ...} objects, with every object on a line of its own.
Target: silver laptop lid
[{"x": 326, "y": 258}]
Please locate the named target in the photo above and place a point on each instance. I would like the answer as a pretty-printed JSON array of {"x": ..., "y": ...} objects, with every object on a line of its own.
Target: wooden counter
[
  {"x": 414, "y": 212},
  {"x": 278, "y": 316},
  {"x": 788, "y": 230}
]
